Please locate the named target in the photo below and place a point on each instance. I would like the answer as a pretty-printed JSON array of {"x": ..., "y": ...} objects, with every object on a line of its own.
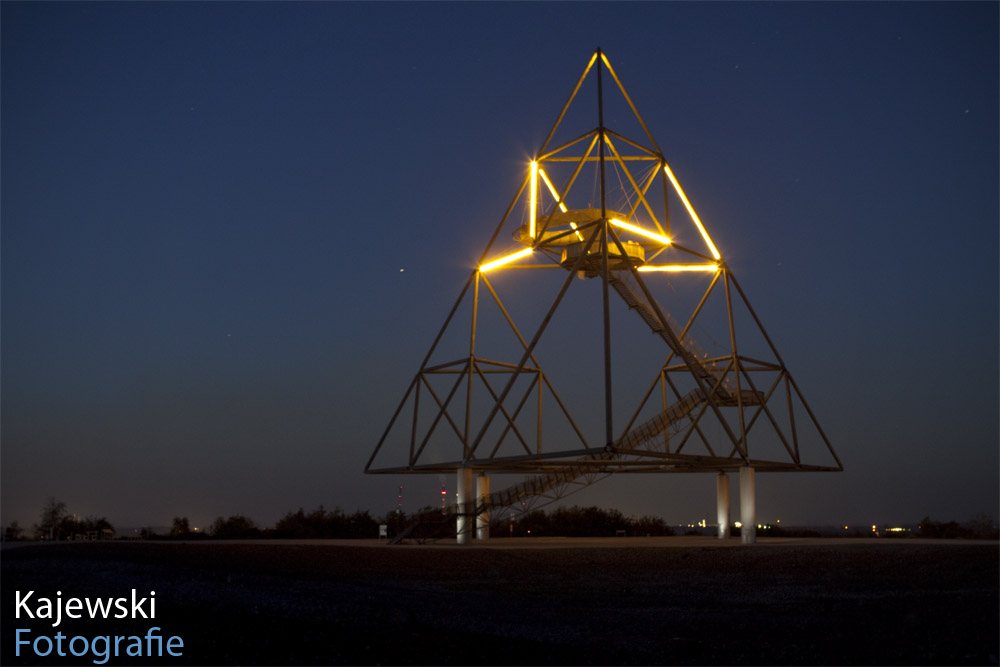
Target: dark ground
[{"x": 683, "y": 603}]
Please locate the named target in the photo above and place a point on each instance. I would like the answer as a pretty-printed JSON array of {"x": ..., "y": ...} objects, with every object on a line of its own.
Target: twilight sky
[{"x": 206, "y": 206}]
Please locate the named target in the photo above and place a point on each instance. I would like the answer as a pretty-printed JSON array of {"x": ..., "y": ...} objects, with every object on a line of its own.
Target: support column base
[
  {"x": 748, "y": 506},
  {"x": 722, "y": 504}
]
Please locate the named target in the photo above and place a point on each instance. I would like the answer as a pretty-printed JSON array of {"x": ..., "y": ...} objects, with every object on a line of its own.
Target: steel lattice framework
[{"x": 596, "y": 204}]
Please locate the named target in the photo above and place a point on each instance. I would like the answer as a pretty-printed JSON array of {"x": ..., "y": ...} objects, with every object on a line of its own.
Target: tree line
[
  {"x": 979, "y": 527},
  {"x": 56, "y": 523},
  {"x": 581, "y": 522},
  {"x": 336, "y": 524}
]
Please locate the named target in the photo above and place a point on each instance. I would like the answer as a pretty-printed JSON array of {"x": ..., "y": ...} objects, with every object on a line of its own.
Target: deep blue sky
[{"x": 205, "y": 207}]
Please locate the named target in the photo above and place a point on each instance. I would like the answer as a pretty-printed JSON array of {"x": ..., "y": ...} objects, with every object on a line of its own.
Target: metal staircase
[
  {"x": 433, "y": 525},
  {"x": 642, "y": 436},
  {"x": 638, "y": 437},
  {"x": 625, "y": 285}
]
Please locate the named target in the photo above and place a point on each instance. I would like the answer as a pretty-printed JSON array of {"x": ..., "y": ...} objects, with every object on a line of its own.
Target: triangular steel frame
[{"x": 624, "y": 244}]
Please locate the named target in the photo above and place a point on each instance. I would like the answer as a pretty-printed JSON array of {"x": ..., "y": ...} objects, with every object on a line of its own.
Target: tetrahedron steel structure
[{"x": 688, "y": 381}]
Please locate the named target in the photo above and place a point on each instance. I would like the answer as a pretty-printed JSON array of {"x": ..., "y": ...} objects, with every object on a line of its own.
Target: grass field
[{"x": 680, "y": 600}]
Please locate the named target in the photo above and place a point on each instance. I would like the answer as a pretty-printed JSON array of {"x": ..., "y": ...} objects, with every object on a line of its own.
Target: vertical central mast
[{"x": 608, "y": 428}]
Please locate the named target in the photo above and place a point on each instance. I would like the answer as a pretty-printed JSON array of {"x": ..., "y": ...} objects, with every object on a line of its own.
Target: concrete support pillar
[
  {"x": 483, "y": 518},
  {"x": 722, "y": 504},
  {"x": 748, "y": 506},
  {"x": 465, "y": 491}
]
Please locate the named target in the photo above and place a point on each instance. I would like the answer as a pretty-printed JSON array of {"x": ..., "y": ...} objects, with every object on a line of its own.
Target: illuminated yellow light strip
[
  {"x": 555, "y": 195},
  {"x": 534, "y": 198},
  {"x": 659, "y": 238},
  {"x": 690, "y": 209},
  {"x": 506, "y": 259},
  {"x": 679, "y": 267}
]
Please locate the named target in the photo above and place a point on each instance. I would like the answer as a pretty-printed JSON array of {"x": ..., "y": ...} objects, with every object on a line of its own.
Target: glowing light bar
[
  {"x": 690, "y": 209},
  {"x": 659, "y": 238},
  {"x": 506, "y": 259},
  {"x": 534, "y": 198},
  {"x": 555, "y": 195},
  {"x": 577, "y": 230},
  {"x": 673, "y": 268}
]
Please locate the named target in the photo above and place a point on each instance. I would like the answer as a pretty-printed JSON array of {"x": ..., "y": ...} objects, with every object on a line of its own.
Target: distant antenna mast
[
  {"x": 444, "y": 498},
  {"x": 399, "y": 500}
]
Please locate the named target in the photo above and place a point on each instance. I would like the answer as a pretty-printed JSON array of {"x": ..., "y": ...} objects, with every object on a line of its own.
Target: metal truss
[{"x": 497, "y": 410}]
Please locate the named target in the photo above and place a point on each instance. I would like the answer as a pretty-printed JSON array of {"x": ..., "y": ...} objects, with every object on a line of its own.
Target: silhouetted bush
[
  {"x": 323, "y": 524},
  {"x": 978, "y": 527},
  {"x": 58, "y": 524},
  {"x": 650, "y": 525},
  {"x": 581, "y": 522},
  {"x": 236, "y": 527}
]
